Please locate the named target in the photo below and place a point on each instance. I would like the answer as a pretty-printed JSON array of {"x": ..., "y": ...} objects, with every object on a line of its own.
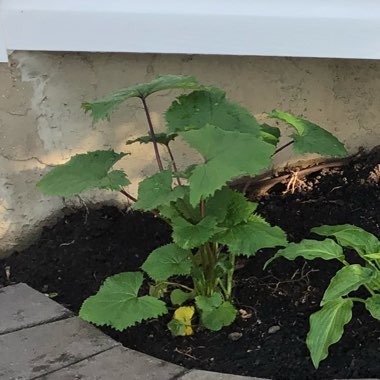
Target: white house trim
[{"x": 307, "y": 28}]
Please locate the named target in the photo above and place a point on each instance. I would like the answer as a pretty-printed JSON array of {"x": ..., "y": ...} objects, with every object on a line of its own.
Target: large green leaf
[
  {"x": 157, "y": 191},
  {"x": 118, "y": 305},
  {"x": 327, "y": 327},
  {"x": 102, "y": 109},
  {"x": 167, "y": 261},
  {"x": 309, "y": 137},
  {"x": 229, "y": 207},
  {"x": 346, "y": 280},
  {"x": 84, "y": 172},
  {"x": 215, "y": 313},
  {"x": 227, "y": 155},
  {"x": 372, "y": 304},
  {"x": 200, "y": 108},
  {"x": 248, "y": 237},
  {"x": 351, "y": 237},
  {"x": 161, "y": 138},
  {"x": 188, "y": 235},
  {"x": 310, "y": 249}
]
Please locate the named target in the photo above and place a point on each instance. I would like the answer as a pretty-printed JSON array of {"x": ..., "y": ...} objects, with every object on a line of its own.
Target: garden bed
[{"x": 71, "y": 259}]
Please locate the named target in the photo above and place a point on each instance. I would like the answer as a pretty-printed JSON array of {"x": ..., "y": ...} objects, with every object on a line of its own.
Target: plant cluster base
[{"x": 72, "y": 259}]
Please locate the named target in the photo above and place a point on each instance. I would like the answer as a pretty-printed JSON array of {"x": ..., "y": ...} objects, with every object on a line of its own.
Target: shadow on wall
[{"x": 41, "y": 121}]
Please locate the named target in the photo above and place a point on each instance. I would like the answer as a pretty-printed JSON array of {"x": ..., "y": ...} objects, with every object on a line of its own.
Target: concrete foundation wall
[{"x": 42, "y": 124}]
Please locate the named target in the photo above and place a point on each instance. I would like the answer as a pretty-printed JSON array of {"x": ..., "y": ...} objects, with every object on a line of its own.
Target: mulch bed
[{"x": 71, "y": 259}]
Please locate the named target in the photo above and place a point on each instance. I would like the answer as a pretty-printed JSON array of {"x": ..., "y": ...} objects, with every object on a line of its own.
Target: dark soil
[{"x": 73, "y": 258}]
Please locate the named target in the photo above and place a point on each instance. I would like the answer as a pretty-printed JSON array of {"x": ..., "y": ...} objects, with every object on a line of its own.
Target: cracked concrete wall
[{"x": 42, "y": 124}]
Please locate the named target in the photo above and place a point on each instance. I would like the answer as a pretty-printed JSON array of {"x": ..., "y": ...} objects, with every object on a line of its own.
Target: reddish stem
[{"x": 154, "y": 140}]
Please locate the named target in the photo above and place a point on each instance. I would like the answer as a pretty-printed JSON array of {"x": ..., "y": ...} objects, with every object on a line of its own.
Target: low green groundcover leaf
[
  {"x": 84, "y": 172},
  {"x": 215, "y": 313},
  {"x": 352, "y": 237},
  {"x": 102, "y": 109},
  {"x": 229, "y": 207},
  {"x": 248, "y": 237},
  {"x": 157, "y": 191},
  {"x": 209, "y": 303},
  {"x": 310, "y": 249},
  {"x": 327, "y": 326},
  {"x": 161, "y": 138},
  {"x": 346, "y": 280},
  {"x": 178, "y": 296},
  {"x": 227, "y": 155},
  {"x": 167, "y": 261},
  {"x": 310, "y": 138},
  {"x": 195, "y": 110},
  {"x": 118, "y": 305},
  {"x": 177, "y": 328},
  {"x": 188, "y": 235},
  {"x": 372, "y": 304}
]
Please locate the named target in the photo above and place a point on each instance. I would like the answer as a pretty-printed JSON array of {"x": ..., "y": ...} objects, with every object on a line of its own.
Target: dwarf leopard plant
[
  {"x": 211, "y": 223},
  {"x": 327, "y": 324}
]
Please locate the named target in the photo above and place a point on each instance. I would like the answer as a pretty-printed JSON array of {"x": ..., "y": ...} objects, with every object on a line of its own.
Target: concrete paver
[
  {"x": 40, "y": 340},
  {"x": 196, "y": 374},
  {"x": 22, "y": 306},
  {"x": 117, "y": 364},
  {"x": 29, "y": 353}
]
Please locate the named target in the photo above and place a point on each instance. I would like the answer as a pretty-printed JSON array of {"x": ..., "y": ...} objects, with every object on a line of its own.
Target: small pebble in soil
[
  {"x": 274, "y": 329},
  {"x": 234, "y": 336}
]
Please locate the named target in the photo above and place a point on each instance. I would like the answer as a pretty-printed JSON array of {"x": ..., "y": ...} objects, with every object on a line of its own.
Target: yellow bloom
[{"x": 184, "y": 314}]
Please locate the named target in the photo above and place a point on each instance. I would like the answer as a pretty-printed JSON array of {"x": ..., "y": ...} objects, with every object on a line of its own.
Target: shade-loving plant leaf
[
  {"x": 309, "y": 137},
  {"x": 227, "y": 155},
  {"x": 157, "y": 191},
  {"x": 270, "y": 134},
  {"x": 188, "y": 235},
  {"x": 84, "y": 172},
  {"x": 180, "y": 325},
  {"x": 229, "y": 207},
  {"x": 327, "y": 326},
  {"x": 178, "y": 296},
  {"x": 167, "y": 261},
  {"x": 346, "y": 280},
  {"x": 248, "y": 237},
  {"x": 310, "y": 249},
  {"x": 195, "y": 110},
  {"x": 372, "y": 304},
  {"x": 102, "y": 108},
  {"x": 215, "y": 313},
  {"x": 161, "y": 138},
  {"x": 118, "y": 305},
  {"x": 351, "y": 236}
]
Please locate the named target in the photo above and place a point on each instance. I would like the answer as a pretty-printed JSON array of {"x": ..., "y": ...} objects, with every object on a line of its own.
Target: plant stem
[
  {"x": 178, "y": 285},
  {"x": 224, "y": 290},
  {"x": 129, "y": 196},
  {"x": 153, "y": 135},
  {"x": 202, "y": 208},
  {"x": 357, "y": 299},
  {"x": 175, "y": 169},
  {"x": 283, "y": 147},
  {"x": 370, "y": 290},
  {"x": 230, "y": 275}
]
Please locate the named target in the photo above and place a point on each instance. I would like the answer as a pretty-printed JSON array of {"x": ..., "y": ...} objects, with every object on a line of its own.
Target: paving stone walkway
[{"x": 40, "y": 339}]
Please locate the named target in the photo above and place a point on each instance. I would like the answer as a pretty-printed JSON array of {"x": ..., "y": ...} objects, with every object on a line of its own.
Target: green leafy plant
[
  {"x": 211, "y": 223},
  {"x": 327, "y": 324}
]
